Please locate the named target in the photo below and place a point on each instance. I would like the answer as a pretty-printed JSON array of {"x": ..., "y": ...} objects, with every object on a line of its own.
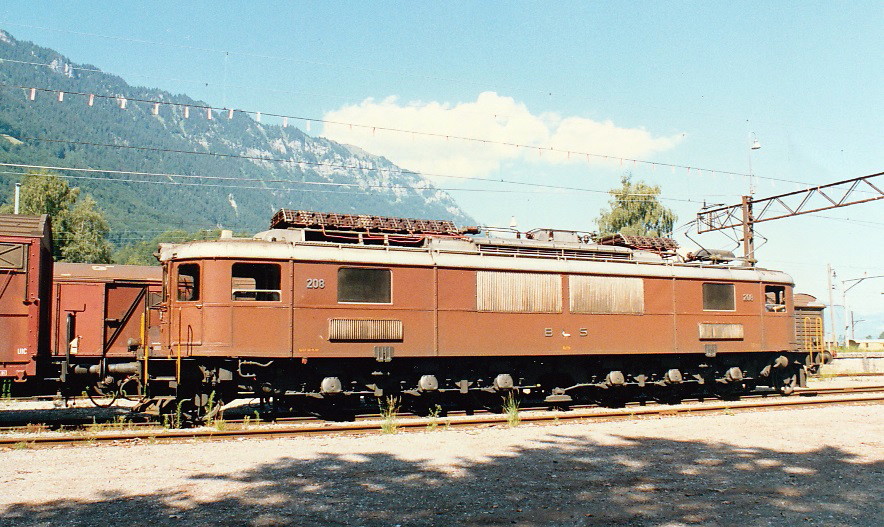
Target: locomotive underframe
[{"x": 343, "y": 387}]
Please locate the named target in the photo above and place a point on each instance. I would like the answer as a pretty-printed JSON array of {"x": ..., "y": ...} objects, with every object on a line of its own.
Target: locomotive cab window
[
  {"x": 775, "y": 298},
  {"x": 364, "y": 286},
  {"x": 188, "y": 282},
  {"x": 255, "y": 282},
  {"x": 718, "y": 297}
]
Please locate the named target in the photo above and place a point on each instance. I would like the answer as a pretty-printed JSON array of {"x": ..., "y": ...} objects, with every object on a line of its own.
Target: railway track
[{"x": 368, "y": 424}]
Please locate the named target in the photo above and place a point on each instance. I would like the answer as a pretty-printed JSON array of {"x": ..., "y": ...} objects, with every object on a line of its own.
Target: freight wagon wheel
[
  {"x": 103, "y": 394},
  {"x": 131, "y": 389}
]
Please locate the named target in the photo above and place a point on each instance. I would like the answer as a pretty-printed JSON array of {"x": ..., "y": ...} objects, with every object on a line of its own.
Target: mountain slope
[{"x": 295, "y": 170}]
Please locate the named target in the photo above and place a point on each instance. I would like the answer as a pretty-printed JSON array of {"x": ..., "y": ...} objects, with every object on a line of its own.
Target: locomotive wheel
[
  {"x": 426, "y": 406},
  {"x": 787, "y": 382},
  {"x": 194, "y": 410},
  {"x": 339, "y": 412},
  {"x": 616, "y": 397},
  {"x": 669, "y": 396},
  {"x": 207, "y": 406}
]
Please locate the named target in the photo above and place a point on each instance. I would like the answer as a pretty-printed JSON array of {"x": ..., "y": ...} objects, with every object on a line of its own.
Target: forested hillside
[{"x": 297, "y": 170}]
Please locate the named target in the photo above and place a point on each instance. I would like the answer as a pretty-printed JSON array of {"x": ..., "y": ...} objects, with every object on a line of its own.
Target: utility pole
[
  {"x": 848, "y": 314},
  {"x": 831, "y": 301},
  {"x": 17, "y": 198},
  {"x": 748, "y": 231}
]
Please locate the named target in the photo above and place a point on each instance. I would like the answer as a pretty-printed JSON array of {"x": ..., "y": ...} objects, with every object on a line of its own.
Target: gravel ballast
[{"x": 821, "y": 466}]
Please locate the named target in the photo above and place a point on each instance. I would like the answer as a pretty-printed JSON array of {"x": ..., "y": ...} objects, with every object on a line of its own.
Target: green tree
[
  {"x": 86, "y": 231},
  {"x": 79, "y": 230},
  {"x": 635, "y": 210},
  {"x": 142, "y": 253}
]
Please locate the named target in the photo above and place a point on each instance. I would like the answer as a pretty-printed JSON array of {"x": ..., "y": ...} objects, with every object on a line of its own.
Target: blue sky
[{"x": 676, "y": 82}]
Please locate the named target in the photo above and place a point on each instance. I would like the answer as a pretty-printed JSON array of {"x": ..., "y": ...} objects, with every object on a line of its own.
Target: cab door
[
  {"x": 187, "y": 310},
  {"x": 260, "y": 308}
]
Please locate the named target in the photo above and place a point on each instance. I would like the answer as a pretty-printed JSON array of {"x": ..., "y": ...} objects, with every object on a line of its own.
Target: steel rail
[{"x": 374, "y": 426}]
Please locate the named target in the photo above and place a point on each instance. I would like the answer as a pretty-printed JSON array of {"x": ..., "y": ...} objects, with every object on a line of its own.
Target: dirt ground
[{"x": 820, "y": 466}]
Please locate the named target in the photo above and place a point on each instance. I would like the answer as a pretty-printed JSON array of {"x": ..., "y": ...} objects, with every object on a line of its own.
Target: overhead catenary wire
[
  {"x": 171, "y": 181},
  {"x": 300, "y": 163},
  {"x": 123, "y": 100}
]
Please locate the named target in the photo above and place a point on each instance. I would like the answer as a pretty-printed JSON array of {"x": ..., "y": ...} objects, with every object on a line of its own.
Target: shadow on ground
[{"x": 646, "y": 482}]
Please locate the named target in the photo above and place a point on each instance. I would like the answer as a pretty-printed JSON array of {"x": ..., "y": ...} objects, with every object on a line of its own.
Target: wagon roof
[
  {"x": 107, "y": 273},
  {"x": 24, "y": 226}
]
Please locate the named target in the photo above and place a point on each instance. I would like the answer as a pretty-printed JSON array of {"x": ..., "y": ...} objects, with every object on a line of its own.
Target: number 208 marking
[{"x": 315, "y": 283}]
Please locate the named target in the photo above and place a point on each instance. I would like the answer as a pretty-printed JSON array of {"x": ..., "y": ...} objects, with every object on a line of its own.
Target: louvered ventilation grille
[
  {"x": 607, "y": 294},
  {"x": 721, "y": 331},
  {"x": 549, "y": 252},
  {"x": 518, "y": 292},
  {"x": 365, "y": 330}
]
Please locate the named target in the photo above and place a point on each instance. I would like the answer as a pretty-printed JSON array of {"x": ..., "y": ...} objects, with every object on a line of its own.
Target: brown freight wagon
[
  {"x": 337, "y": 308},
  {"x": 75, "y": 327},
  {"x": 809, "y": 331},
  {"x": 25, "y": 277},
  {"x": 100, "y": 317}
]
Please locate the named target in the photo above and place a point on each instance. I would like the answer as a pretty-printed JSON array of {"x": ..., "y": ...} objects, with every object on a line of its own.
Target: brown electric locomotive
[{"x": 328, "y": 311}]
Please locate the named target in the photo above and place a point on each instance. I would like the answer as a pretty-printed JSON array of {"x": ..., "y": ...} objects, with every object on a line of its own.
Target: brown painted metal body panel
[
  {"x": 106, "y": 302},
  {"x": 25, "y": 280},
  {"x": 412, "y": 303}
]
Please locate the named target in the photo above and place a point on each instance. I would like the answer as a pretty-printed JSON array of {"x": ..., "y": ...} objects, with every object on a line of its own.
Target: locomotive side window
[
  {"x": 188, "y": 282},
  {"x": 718, "y": 297},
  {"x": 504, "y": 292},
  {"x": 365, "y": 286},
  {"x": 775, "y": 298},
  {"x": 255, "y": 282}
]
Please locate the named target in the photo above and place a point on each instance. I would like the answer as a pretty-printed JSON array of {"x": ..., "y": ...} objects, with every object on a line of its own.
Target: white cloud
[{"x": 491, "y": 117}]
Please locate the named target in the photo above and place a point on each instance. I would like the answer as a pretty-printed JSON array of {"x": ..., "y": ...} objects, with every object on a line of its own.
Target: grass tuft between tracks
[
  {"x": 511, "y": 409},
  {"x": 389, "y": 410}
]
